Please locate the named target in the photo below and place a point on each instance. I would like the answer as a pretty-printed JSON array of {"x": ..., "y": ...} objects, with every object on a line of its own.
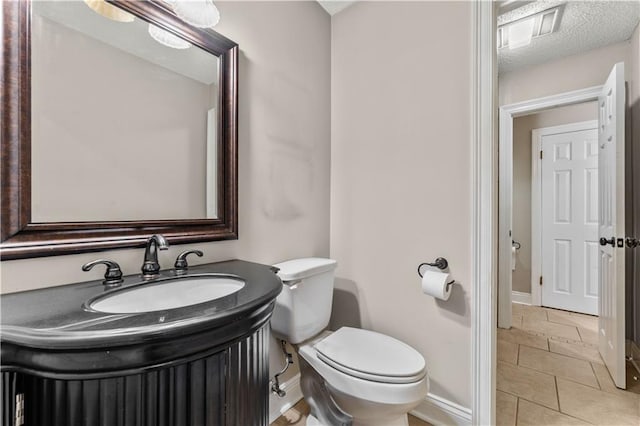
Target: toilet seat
[
  {"x": 369, "y": 390},
  {"x": 371, "y": 356}
]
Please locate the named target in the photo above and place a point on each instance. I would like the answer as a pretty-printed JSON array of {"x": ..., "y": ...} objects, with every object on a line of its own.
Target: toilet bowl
[{"x": 351, "y": 376}]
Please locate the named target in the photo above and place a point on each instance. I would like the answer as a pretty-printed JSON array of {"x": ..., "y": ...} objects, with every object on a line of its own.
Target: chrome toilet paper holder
[{"x": 440, "y": 263}]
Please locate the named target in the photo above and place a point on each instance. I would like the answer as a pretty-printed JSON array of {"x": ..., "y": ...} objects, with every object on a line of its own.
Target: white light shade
[
  {"x": 109, "y": 11},
  {"x": 199, "y": 13},
  {"x": 520, "y": 33},
  {"x": 168, "y": 39}
]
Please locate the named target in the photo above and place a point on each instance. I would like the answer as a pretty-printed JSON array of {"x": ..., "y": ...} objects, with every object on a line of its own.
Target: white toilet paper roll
[{"x": 434, "y": 283}]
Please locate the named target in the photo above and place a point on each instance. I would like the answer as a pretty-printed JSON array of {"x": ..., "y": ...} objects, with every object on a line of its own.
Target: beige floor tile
[
  {"x": 530, "y": 414},
  {"x": 570, "y": 318},
  {"x": 507, "y": 351},
  {"x": 523, "y": 337},
  {"x": 589, "y": 336},
  {"x": 527, "y": 383},
  {"x": 596, "y": 406},
  {"x": 518, "y": 308},
  {"x": 570, "y": 368},
  {"x": 297, "y": 416},
  {"x": 531, "y": 312},
  {"x": 576, "y": 350},
  {"x": 534, "y": 313},
  {"x": 506, "y": 408},
  {"x": 604, "y": 378},
  {"x": 414, "y": 421},
  {"x": 607, "y": 384},
  {"x": 551, "y": 328}
]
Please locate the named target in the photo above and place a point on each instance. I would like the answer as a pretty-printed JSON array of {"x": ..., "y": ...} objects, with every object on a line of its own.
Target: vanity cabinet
[
  {"x": 64, "y": 364},
  {"x": 224, "y": 388}
]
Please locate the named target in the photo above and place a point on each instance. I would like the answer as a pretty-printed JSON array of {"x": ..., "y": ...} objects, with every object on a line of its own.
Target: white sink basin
[{"x": 169, "y": 294}]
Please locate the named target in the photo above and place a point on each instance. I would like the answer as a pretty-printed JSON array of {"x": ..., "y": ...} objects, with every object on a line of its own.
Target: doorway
[
  {"x": 564, "y": 216},
  {"x": 508, "y": 114}
]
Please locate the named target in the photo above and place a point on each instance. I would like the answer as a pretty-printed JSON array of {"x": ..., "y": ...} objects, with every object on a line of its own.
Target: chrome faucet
[{"x": 151, "y": 267}]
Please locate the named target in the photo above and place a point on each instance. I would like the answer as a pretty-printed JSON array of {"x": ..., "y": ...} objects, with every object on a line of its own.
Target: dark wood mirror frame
[{"x": 22, "y": 239}]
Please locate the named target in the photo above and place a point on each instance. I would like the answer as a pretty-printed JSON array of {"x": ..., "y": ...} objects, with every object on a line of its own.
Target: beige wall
[
  {"x": 400, "y": 172},
  {"x": 522, "y": 127},
  {"x": 284, "y": 150},
  {"x": 571, "y": 73}
]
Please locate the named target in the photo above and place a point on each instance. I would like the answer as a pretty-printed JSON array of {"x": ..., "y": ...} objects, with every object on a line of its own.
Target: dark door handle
[
  {"x": 633, "y": 242},
  {"x": 604, "y": 241}
]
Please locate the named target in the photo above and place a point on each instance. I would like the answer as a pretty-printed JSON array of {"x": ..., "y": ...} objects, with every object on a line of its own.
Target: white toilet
[{"x": 350, "y": 376}]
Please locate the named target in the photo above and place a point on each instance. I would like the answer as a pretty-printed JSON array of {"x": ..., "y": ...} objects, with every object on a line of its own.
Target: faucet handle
[
  {"x": 181, "y": 261},
  {"x": 113, "y": 275}
]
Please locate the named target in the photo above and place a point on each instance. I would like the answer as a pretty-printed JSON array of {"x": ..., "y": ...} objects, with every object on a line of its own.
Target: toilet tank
[{"x": 304, "y": 306}]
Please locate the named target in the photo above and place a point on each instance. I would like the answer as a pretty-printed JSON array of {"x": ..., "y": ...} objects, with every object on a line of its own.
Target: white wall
[
  {"x": 284, "y": 150},
  {"x": 400, "y": 175},
  {"x": 522, "y": 127}
]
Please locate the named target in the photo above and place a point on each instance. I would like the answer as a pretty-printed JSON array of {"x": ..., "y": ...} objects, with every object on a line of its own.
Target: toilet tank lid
[{"x": 297, "y": 269}]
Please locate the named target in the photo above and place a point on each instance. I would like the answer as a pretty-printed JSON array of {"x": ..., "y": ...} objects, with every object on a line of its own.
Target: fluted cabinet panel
[
  {"x": 248, "y": 362},
  {"x": 227, "y": 388}
]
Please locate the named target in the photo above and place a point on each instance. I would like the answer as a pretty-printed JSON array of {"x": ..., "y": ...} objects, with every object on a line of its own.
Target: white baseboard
[
  {"x": 521, "y": 297},
  {"x": 278, "y": 405},
  {"x": 439, "y": 411},
  {"x": 434, "y": 409}
]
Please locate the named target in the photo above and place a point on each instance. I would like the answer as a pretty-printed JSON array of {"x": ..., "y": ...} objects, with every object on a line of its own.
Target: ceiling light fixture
[
  {"x": 520, "y": 32},
  {"x": 167, "y": 39},
  {"x": 110, "y": 11},
  {"x": 199, "y": 13}
]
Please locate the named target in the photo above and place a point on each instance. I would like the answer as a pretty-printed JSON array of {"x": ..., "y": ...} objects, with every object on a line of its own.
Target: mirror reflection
[{"x": 123, "y": 113}]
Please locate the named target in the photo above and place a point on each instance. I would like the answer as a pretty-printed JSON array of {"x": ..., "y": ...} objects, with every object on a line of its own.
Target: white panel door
[
  {"x": 570, "y": 217},
  {"x": 611, "y": 104}
]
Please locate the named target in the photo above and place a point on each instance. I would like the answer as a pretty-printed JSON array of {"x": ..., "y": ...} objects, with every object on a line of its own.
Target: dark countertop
[{"x": 55, "y": 320}]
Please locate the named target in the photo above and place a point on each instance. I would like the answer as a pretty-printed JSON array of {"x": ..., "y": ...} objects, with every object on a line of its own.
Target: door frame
[
  {"x": 483, "y": 146},
  {"x": 505, "y": 177},
  {"x": 536, "y": 197}
]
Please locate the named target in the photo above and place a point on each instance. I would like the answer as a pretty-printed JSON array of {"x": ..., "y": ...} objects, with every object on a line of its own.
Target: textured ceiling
[{"x": 585, "y": 25}]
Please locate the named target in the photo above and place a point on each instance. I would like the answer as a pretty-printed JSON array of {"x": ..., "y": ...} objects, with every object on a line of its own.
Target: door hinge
[
  {"x": 541, "y": 155},
  {"x": 540, "y": 279}
]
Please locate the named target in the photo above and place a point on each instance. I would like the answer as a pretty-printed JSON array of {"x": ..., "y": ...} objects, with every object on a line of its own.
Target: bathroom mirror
[{"x": 121, "y": 125}]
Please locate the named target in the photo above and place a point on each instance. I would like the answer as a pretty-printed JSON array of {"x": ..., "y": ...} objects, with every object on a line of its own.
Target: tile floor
[
  {"x": 550, "y": 373},
  {"x": 297, "y": 416}
]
